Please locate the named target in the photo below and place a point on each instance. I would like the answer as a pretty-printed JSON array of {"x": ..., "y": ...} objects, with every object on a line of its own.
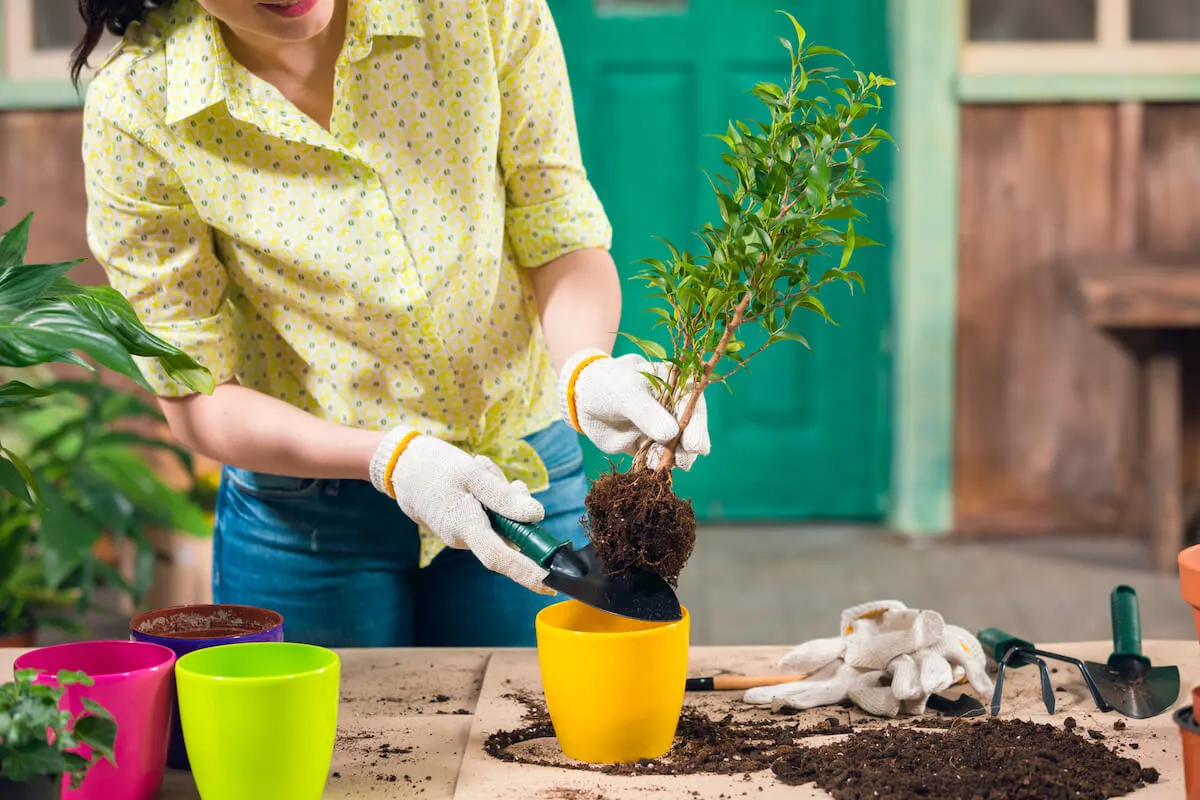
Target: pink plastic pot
[{"x": 135, "y": 681}]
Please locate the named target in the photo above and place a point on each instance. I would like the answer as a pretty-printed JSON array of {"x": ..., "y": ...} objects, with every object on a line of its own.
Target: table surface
[{"x": 412, "y": 723}]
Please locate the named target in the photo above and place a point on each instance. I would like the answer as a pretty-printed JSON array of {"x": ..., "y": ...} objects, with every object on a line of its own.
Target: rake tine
[{"x": 1047, "y": 688}]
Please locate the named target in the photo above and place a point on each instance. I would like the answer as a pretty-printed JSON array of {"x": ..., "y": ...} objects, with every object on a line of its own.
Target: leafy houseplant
[
  {"x": 45, "y": 495},
  {"x": 96, "y": 486},
  {"x": 791, "y": 198},
  {"x": 36, "y": 735}
]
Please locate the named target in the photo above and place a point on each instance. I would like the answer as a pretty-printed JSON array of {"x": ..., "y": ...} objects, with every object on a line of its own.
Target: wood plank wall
[
  {"x": 1045, "y": 436},
  {"x": 41, "y": 170}
]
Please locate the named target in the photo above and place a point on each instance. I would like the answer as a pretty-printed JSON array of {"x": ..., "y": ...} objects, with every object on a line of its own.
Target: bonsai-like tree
[{"x": 791, "y": 198}]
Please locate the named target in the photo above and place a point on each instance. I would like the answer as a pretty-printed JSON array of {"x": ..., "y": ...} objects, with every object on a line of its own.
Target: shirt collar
[{"x": 199, "y": 67}]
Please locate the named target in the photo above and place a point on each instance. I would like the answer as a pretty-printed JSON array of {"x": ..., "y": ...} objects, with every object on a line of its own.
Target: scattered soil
[
  {"x": 635, "y": 520},
  {"x": 983, "y": 759}
]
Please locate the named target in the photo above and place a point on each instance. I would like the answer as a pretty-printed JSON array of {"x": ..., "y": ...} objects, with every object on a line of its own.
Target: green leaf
[
  {"x": 811, "y": 301},
  {"x": 26, "y": 473},
  {"x": 14, "y": 242},
  {"x": 799, "y": 30},
  {"x": 848, "y": 248},
  {"x": 21, "y": 287},
  {"x": 13, "y": 482},
  {"x": 652, "y": 350},
  {"x": 822, "y": 50},
  {"x": 99, "y": 732},
  {"x": 789, "y": 336},
  {"x": 24, "y": 765},
  {"x": 16, "y": 393},
  {"x": 65, "y": 535}
]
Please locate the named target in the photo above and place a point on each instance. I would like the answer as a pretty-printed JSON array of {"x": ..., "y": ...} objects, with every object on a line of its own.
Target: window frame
[
  {"x": 1113, "y": 66},
  {"x": 32, "y": 78}
]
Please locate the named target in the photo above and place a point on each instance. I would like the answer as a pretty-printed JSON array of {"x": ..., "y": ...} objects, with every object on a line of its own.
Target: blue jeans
[{"x": 338, "y": 559}]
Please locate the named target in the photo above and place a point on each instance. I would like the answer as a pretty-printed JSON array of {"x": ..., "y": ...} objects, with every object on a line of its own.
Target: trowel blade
[
  {"x": 1139, "y": 696},
  {"x": 637, "y": 594}
]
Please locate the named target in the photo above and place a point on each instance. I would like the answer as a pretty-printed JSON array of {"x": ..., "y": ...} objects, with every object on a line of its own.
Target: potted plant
[
  {"x": 790, "y": 200},
  {"x": 103, "y": 501},
  {"x": 37, "y": 737},
  {"x": 52, "y": 486}
]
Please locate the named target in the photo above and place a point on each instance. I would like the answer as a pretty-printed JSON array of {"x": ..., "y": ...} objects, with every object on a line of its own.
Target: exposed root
[{"x": 635, "y": 520}]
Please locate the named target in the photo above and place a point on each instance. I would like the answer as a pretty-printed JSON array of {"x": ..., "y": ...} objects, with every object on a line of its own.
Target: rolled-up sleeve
[
  {"x": 552, "y": 208},
  {"x": 155, "y": 249}
]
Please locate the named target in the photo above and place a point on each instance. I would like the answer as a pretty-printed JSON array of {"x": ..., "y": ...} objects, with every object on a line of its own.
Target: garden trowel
[
  {"x": 1128, "y": 682},
  {"x": 638, "y": 594}
]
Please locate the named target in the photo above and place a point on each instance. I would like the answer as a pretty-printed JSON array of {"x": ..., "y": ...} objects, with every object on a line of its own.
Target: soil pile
[
  {"x": 1011, "y": 759},
  {"x": 986, "y": 759},
  {"x": 635, "y": 520}
]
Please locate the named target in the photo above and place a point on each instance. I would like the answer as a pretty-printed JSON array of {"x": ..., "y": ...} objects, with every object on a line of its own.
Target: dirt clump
[
  {"x": 635, "y": 520},
  {"x": 985, "y": 759}
]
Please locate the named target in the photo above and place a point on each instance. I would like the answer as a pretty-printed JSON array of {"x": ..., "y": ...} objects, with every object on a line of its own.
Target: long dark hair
[{"x": 115, "y": 16}]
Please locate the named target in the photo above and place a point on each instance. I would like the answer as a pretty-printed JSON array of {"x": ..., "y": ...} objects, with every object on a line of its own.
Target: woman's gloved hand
[
  {"x": 445, "y": 491},
  {"x": 614, "y": 404}
]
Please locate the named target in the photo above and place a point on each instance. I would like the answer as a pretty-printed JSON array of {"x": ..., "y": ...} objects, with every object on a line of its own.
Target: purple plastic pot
[{"x": 188, "y": 628}]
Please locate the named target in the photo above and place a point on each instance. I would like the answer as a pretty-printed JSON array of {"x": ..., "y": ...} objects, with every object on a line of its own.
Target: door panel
[{"x": 803, "y": 435}]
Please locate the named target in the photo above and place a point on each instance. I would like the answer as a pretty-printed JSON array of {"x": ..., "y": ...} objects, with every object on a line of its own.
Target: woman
[{"x": 369, "y": 219}]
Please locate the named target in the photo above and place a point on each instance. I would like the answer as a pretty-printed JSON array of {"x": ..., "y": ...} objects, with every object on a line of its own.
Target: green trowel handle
[
  {"x": 531, "y": 540},
  {"x": 1126, "y": 622},
  {"x": 999, "y": 643}
]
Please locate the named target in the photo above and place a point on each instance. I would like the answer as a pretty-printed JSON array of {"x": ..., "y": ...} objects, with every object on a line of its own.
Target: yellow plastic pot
[{"x": 614, "y": 686}]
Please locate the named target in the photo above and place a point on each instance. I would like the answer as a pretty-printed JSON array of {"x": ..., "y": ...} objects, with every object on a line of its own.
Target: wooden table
[{"x": 413, "y": 722}]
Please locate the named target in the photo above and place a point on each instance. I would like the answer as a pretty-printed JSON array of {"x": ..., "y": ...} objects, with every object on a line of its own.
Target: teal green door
[{"x": 806, "y": 434}]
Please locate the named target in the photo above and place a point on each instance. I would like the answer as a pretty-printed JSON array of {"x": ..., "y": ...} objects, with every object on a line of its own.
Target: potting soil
[
  {"x": 635, "y": 520},
  {"x": 985, "y": 758}
]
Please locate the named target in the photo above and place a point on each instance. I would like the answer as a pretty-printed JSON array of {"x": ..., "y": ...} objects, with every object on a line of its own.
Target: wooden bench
[{"x": 1145, "y": 304}]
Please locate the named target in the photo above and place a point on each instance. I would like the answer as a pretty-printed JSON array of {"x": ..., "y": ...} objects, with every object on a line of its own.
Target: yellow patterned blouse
[{"x": 371, "y": 274}]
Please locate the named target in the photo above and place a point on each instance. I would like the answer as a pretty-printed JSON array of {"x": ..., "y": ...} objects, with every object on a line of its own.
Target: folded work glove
[
  {"x": 615, "y": 405},
  {"x": 887, "y": 659},
  {"x": 445, "y": 490}
]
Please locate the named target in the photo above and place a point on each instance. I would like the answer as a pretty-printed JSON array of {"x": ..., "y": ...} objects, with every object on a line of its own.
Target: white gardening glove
[
  {"x": 956, "y": 657},
  {"x": 614, "y": 404},
  {"x": 875, "y": 639},
  {"x": 445, "y": 490},
  {"x": 895, "y": 632},
  {"x": 872, "y": 634}
]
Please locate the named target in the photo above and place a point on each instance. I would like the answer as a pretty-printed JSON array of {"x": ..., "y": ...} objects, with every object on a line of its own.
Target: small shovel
[
  {"x": 637, "y": 594},
  {"x": 1128, "y": 682}
]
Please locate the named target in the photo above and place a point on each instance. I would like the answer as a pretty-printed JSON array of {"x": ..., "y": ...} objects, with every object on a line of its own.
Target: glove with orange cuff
[
  {"x": 445, "y": 490},
  {"x": 613, "y": 403}
]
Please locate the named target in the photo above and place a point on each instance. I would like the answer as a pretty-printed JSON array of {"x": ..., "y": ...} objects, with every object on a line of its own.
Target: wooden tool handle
[{"x": 722, "y": 683}]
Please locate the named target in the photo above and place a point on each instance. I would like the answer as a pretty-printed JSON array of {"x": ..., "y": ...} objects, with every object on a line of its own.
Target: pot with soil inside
[
  {"x": 185, "y": 629},
  {"x": 614, "y": 686}
]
